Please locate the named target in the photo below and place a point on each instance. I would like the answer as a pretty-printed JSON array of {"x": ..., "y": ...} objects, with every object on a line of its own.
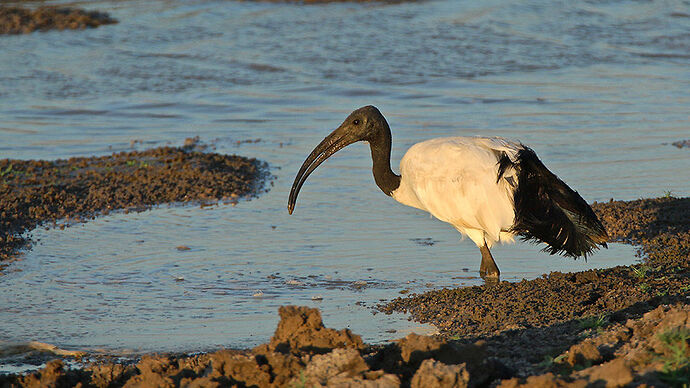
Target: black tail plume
[{"x": 547, "y": 210}]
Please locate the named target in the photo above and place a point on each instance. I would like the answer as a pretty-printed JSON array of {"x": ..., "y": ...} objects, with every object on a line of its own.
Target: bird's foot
[{"x": 490, "y": 277}]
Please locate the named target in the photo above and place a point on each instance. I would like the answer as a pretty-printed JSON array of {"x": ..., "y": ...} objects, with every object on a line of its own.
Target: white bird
[{"x": 489, "y": 189}]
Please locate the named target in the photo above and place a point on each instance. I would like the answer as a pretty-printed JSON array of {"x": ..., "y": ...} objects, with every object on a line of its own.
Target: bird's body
[
  {"x": 489, "y": 189},
  {"x": 455, "y": 179}
]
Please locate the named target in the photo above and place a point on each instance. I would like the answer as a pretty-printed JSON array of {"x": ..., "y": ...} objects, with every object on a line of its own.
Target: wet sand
[
  {"x": 617, "y": 326},
  {"x": 21, "y": 20}
]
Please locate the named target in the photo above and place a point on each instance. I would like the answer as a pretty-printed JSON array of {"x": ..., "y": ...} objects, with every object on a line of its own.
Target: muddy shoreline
[
  {"x": 59, "y": 193},
  {"x": 627, "y": 325}
]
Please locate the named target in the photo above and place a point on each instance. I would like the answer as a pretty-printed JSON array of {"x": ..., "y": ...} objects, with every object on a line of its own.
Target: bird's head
[{"x": 364, "y": 124}]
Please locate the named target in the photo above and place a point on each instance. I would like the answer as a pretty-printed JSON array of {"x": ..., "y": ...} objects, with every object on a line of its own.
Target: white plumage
[{"x": 454, "y": 179}]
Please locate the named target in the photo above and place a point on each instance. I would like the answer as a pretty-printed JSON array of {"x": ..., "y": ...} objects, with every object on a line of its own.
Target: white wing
[{"x": 456, "y": 180}]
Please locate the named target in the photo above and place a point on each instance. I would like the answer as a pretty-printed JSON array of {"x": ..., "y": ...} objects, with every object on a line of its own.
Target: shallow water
[{"x": 598, "y": 90}]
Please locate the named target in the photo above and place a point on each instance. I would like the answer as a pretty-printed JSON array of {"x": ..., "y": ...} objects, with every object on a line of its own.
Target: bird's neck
[{"x": 385, "y": 178}]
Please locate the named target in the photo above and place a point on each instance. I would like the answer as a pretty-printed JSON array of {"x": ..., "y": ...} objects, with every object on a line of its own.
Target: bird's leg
[{"x": 488, "y": 269}]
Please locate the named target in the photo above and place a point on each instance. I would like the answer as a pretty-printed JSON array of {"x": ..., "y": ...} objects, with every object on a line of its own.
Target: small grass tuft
[
  {"x": 6, "y": 170},
  {"x": 301, "y": 383},
  {"x": 594, "y": 322},
  {"x": 644, "y": 287},
  {"x": 549, "y": 361},
  {"x": 641, "y": 271},
  {"x": 676, "y": 369}
]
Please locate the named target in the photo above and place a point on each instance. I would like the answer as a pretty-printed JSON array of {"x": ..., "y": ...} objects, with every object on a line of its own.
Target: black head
[{"x": 364, "y": 124}]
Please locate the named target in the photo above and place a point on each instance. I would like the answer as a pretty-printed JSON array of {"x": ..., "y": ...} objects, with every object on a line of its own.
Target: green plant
[
  {"x": 594, "y": 322},
  {"x": 301, "y": 383},
  {"x": 550, "y": 360},
  {"x": 6, "y": 171},
  {"x": 644, "y": 287},
  {"x": 676, "y": 369},
  {"x": 641, "y": 271}
]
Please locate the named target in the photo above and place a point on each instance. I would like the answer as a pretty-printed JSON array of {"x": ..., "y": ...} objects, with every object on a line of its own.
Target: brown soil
[
  {"x": 36, "y": 192},
  {"x": 20, "y": 20}
]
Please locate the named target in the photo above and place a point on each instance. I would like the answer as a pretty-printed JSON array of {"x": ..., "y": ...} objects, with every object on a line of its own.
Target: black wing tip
[
  {"x": 548, "y": 210},
  {"x": 582, "y": 249}
]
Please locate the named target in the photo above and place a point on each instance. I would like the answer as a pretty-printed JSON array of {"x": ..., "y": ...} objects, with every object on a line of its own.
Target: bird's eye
[{"x": 356, "y": 122}]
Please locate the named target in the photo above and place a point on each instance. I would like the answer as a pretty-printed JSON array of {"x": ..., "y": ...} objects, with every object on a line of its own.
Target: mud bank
[
  {"x": 20, "y": 20},
  {"x": 532, "y": 321},
  {"x": 650, "y": 350},
  {"x": 37, "y": 192}
]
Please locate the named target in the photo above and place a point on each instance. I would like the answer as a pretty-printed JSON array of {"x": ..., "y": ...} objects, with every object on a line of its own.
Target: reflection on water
[{"x": 599, "y": 90}]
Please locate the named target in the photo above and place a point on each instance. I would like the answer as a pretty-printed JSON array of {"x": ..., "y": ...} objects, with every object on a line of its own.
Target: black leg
[{"x": 488, "y": 269}]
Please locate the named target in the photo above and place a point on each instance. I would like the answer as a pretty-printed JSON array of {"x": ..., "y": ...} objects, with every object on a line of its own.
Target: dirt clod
[
  {"x": 301, "y": 329},
  {"x": 435, "y": 374}
]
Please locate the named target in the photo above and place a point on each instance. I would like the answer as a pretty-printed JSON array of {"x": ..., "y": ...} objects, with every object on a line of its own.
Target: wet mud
[
  {"x": 21, "y": 20},
  {"x": 59, "y": 193},
  {"x": 622, "y": 326}
]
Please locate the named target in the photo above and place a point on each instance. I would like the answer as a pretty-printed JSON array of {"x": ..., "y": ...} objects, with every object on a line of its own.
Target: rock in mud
[{"x": 20, "y": 20}]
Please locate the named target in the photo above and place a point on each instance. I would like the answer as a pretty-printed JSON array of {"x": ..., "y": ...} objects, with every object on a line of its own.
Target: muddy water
[{"x": 598, "y": 90}]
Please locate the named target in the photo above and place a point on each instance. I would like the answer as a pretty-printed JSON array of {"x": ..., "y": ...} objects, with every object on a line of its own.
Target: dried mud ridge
[
  {"x": 37, "y": 192},
  {"x": 20, "y": 20},
  {"x": 651, "y": 350}
]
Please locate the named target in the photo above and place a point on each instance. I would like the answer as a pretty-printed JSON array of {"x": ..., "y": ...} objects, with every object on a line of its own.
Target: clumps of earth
[
  {"x": 21, "y": 20},
  {"x": 61, "y": 192},
  {"x": 651, "y": 350}
]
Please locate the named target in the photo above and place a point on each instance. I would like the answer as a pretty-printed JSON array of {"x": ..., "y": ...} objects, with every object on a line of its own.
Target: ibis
[{"x": 488, "y": 188}]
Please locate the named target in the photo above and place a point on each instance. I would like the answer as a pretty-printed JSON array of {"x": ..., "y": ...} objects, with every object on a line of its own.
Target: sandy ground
[{"x": 623, "y": 326}]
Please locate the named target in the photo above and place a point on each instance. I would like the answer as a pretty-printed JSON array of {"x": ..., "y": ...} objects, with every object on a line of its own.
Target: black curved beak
[{"x": 337, "y": 140}]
